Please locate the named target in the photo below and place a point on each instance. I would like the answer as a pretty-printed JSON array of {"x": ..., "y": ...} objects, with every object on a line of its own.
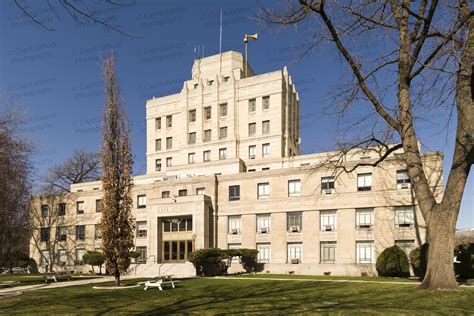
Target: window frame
[
  {"x": 263, "y": 190},
  {"x": 264, "y": 252},
  {"x": 266, "y": 102},
  {"x": 169, "y": 121},
  {"x": 296, "y": 182},
  {"x": 294, "y": 219},
  {"x": 80, "y": 210},
  {"x": 206, "y": 156},
  {"x": 364, "y": 176},
  {"x": 234, "y": 222},
  {"x": 169, "y": 143},
  {"x": 330, "y": 248},
  {"x": 364, "y": 213},
  {"x": 142, "y": 233},
  {"x": 294, "y": 251},
  {"x": 411, "y": 219},
  {"x": 264, "y": 223},
  {"x": 158, "y": 144},
  {"x": 158, "y": 165},
  {"x": 265, "y": 150},
  {"x": 140, "y": 203},
  {"x": 221, "y": 134},
  {"x": 207, "y": 135},
  {"x": 232, "y": 190},
  {"x": 207, "y": 113},
  {"x": 328, "y": 218},
  {"x": 192, "y": 116},
  {"x": 252, "y": 129},
  {"x": 368, "y": 245},
  {"x": 266, "y": 130},
  {"x": 328, "y": 183},
  {"x": 193, "y": 159},
  {"x": 81, "y": 232},
  {"x": 223, "y": 106},
  {"x": 222, "y": 153}
]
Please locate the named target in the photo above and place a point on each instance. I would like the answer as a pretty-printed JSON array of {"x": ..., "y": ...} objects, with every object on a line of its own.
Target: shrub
[
  {"x": 134, "y": 254},
  {"x": 393, "y": 262},
  {"x": 248, "y": 258},
  {"x": 464, "y": 267},
  {"x": 208, "y": 262},
  {"x": 94, "y": 258},
  {"x": 419, "y": 260}
]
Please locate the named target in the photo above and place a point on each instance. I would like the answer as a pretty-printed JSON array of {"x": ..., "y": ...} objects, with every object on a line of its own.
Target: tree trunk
[{"x": 117, "y": 277}]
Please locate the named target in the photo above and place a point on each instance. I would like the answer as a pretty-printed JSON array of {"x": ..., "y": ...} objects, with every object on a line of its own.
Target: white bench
[{"x": 159, "y": 284}]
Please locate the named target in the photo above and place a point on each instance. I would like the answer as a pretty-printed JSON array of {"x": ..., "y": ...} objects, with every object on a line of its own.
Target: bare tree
[
  {"x": 420, "y": 54},
  {"x": 82, "y": 166},
  {"x": 116, "y": 224}
]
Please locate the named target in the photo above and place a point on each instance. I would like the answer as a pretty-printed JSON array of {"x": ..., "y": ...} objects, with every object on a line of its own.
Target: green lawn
[
  {"x": 29, "y": 279},
  {"x": 323, "y": 277},
  {"x": 212, "y": 296}
]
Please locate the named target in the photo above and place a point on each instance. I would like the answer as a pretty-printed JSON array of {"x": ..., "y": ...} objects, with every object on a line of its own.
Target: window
[
  {"x": 263, "y": 190},
  {"x": 234, "y": 192},
  {"x": 183, "y": 192},
  {"x": 200, "y": 191},
  {"x": 294, "y": 188},
  {"x": 365, "y": 251},
  {"x": 328, "y": 251},
  {"x": 226, "y": 78},
  {"x": 327, "y": 185},
  {"x": 62, "y": 256},
  {"x": 210, "y": 82},
  {"x": 294, "y": 222},
  {"x": 206, "y": 156},
  {"x": 207, "y": 113},
  {"x": 169, "y": 162},
  {"x": 364, "y": 182},
  {"x": 169, "y": 142},
  {"x": 97, "y": 233},
  {"x": 44, "y": 257},
  {"x": 169, "y": 121},
  {"x": 365, "y": 218},
  {"x": 44, "y": 210},
  {"x": 234, "y": 225},
  {"x": 263, "y": 223},
  {"x": 252, "y": 152},
  {"x": 158, "y": 144},
  {"x": 165, "y": 194},
  {"x": 80, "y": 207},
  {"x": 222, "y": 153},
  {"x": 142, "y": 251},
  {"x": 265, "y": 127},
  {"x": 295, "y": 252},
  {"x": 61, "y": 233},
  {"x": 251, "y": 170},
  {"x": 191, "y": 157},
  {"x": 252, "y": 128},
  {"x": 404, "y": 216},
  {"x": 196, "y": 85},
  {"x": 266, "y": 168},
  {"x": 158, "y": 165},
  {"x": 62, "y": 209},
  {"x": 223, "y": 132},
  {"x": 223, "y": 109},
  {"x": 141, "y": 229},
  {"x": 98, "y": 206},
  {"x": 44, "y": 233},
  {"x": 328, "y": 220},
  {"x": 141, "y": 201},
  {"x": 192, "y": 138},
  {"x": 192, "y": 115},
  {"x": 80, "y": 232},
  {"x": 264, "y": 253},
  {"x": 252, "y": 105},
  {"x": 266, "y": 102},
  {"x": 403, "y": 179},
  {"x": 158, "y": 123},
  {"x": 207, "y": 135},
  {"x": 80, "y": 255},
  {"x": 265, "y": 150},
  {"x": 406, "y": 245}
]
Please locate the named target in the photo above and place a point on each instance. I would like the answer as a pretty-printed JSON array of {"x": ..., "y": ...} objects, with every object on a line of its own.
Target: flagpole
[{"x": 220, "y": 46}]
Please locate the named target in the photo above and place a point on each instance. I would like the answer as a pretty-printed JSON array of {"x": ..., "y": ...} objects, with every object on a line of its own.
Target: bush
[
  {"x": 464, "y": 267},
  {"x": 208, "y": 262},
  {"x": 393, "y": 262},
  {"x": 94, "y": 258},
  {"x": 419, "y": 260},
  {"x": 248, "y": 258}
]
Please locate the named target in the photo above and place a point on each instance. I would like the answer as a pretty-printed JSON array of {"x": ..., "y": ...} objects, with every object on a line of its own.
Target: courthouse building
[{"x": 224, "y": 170}]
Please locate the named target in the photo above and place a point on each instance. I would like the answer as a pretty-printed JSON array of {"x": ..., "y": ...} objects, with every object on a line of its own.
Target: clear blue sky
[{"x": 56, "y": 77}]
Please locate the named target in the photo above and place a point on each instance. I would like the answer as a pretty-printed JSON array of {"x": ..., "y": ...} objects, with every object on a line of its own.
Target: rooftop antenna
[{"x": 246, "y": 40}]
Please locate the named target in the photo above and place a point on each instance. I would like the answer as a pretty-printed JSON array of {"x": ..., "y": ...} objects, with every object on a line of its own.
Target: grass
[
  {"x": 30, "y": 279},
  {"x": 218, "y": 296},
  {"x": 323, "y": 277}
]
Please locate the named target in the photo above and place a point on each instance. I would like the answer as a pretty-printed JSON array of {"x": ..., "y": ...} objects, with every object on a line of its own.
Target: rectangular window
[
  {"x": 252, "y": 129},
  {"x": 364, "y": 182},
  {"x": 294, "y": 221},
  {"x": 158, "y": 123},
  {"x": 44, "y": 210},
  {"x": 226, "y": 78},
  {"x": 263, "y": 190},
  {"x": 403, "y": 179},
  {"x": 62, "y": 257},
  {"x": 404, "y": 216},
  {"x": 207, "y": 113},
  {"x": 61, "y": 233},
  {"x": 192, "y": 138},
  {"x": 295, "y": 252},
  {"x": 192, "y": 115},
  {"x": 200, "y": 191},
  {"x": 191, "y": 158},
  {"x": 141, "y": 201},
  {"x": 265, "y": 150},
  {"x": 222, "y": 153},
  {"x": 183, "y": 192},
  {"x": 406, "y": 245},
  {"x": 44, "y": 257},
  {"x": 365, "y": 251},
  {"x": 44, "y": 233},
  {"x": 266, "y": 102},
  {"x": 223, "y": 132},
  {"x": 169, "y": 162},
  {"x": 165, "y": 194},
  {"x": 223, "y": 109},
  {"x": 328, "y": 220},
  {"x": 210, "y": 82},
  {"x": 207, "y": 135},
  {"x": 80, "y": 207},
  {"x": 294, "y": 187},
  {"x": 169, "y": 121},
  {"x": 98, "y": 206},
  {"x": 327, "y": 185},
  {"x": 97, "y": 233},
  {"x": 234, "y": 192},
  {"x": 263, "y": 223},
  {"x": 265, "y": 127},
  {"x": 158, "y": 144},
  {"x": 142, "y": 252},
  {"x": 206, "y": 156},
  {"x": 80, "y": 255},
  {"x": 234, "y": 225},
  {"x": 169, "y": 142},
  {"x": 328, "y": 251},
  {"x": 252, "y": 152},
  {"x": 142, "y": 229},
  {"x": 62, "y": 209},
  {"x": 158, "y": 165},
  {"x": 80, "y": 232},
  {"x": 365, "y": 218},
  {"x": 252, "y": 105},
  {"x": 264, "y": 253}
]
